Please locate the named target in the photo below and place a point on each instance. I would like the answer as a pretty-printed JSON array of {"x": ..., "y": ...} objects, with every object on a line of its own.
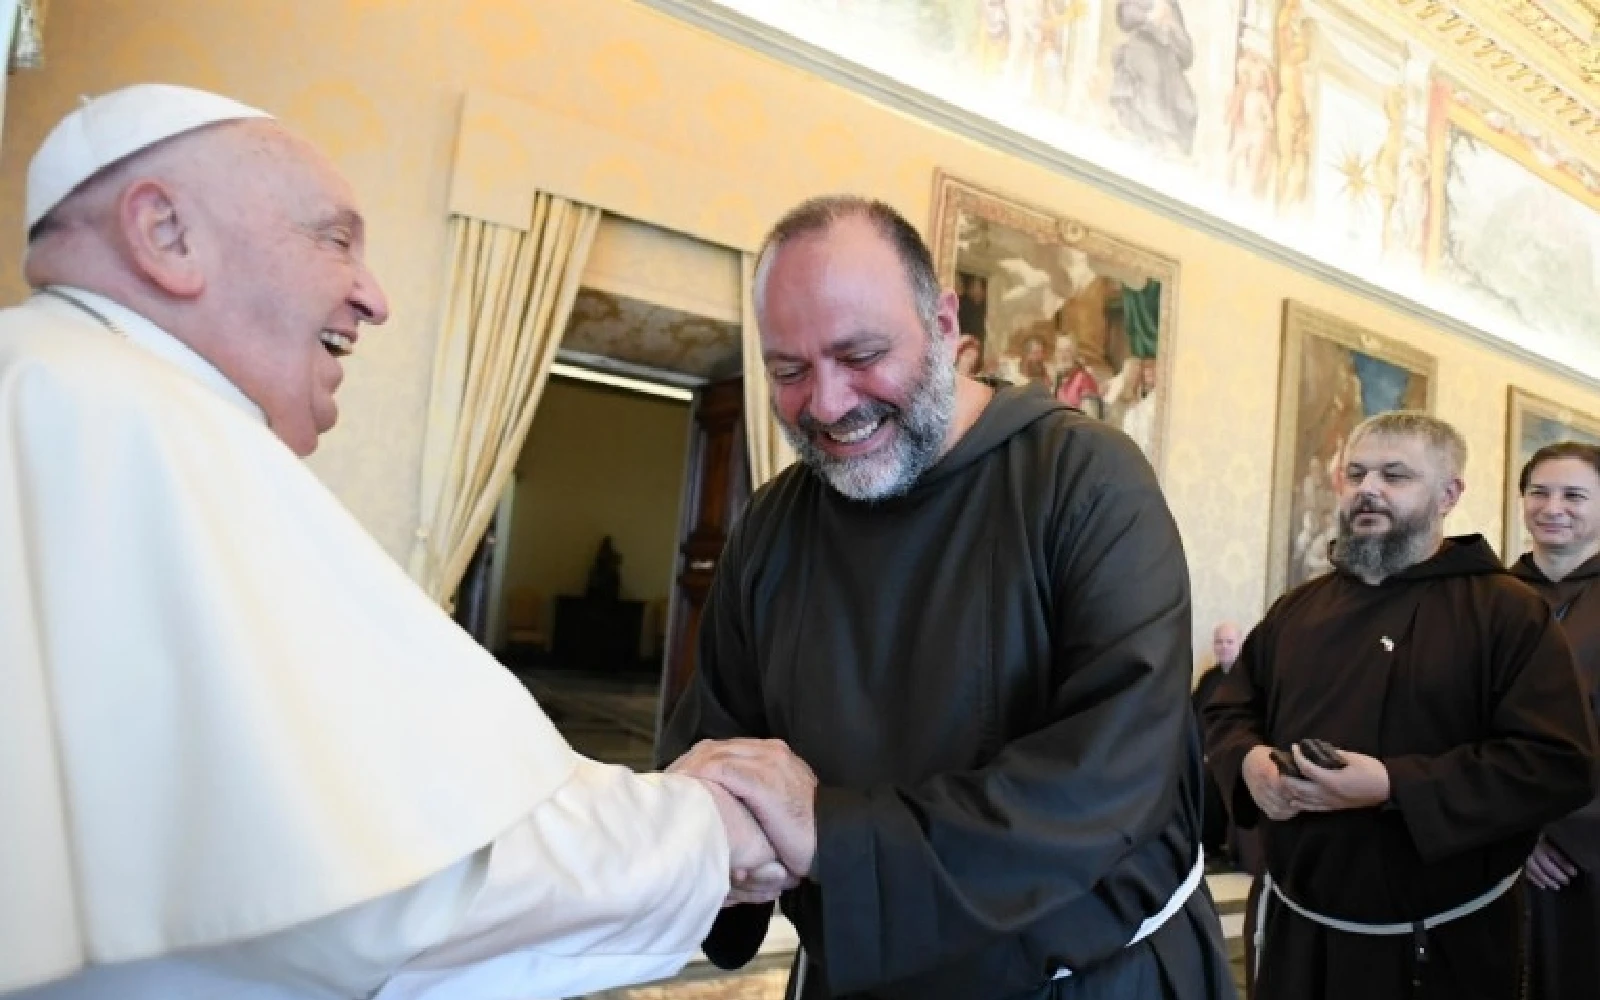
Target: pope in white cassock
[{"x": 241, "y": 754}]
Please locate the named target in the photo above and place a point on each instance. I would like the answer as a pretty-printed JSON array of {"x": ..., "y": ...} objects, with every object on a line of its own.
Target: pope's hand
[
  {"x": 763, "y": 885},
  {"x": 749, "y": 850}
]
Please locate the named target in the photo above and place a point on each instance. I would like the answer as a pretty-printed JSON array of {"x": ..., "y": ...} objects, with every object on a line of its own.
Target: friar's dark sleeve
[
  {"x": 1578, "y": 834},
  {"x": 1536, "y": 764},
  {"x": 1235, "y": 722},
  {"x": 723, "y": 701},
  {"x": 911, "y": 876}
]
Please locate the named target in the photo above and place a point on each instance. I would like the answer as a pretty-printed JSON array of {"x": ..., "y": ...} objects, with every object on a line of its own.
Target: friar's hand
[
  {"x": 1361, "y": 784},
  {"x": 1266, "y": 785},
  {"x": 777, "y": 786},
  {"x": 1548, "y": 868}
]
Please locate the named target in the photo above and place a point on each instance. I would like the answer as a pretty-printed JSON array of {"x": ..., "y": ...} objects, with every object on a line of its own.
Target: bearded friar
[
  {"x": 963, "y": 616},
  {"x": 1446, "y": 725}
]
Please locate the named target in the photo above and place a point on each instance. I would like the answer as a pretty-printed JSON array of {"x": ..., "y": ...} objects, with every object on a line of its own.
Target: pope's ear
[{"x": 159, "y": 239}]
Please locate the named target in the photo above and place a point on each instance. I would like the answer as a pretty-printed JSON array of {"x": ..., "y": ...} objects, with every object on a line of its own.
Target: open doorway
[{"x": 589, "y": 550}]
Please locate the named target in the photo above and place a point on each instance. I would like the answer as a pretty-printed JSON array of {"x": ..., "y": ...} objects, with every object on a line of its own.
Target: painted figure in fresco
[
  {"x": 1294, "y": 105},
  {"x": 1075, "y": 384},
  {"x": 1021, "y": 69},
  {"x": 1407, "y": 233},
  {"x": 1133, "y": 393},
  {"x": 994, "y": 38},
  {"x": 1053, "y": 33},
  {"x": 1150, "y": 93},
  {"x": 1386, "y": 166},
  {"x": 973, "y": 312},
  {"x": 1252, "y": 128},
  {"x": 1083, "y": 315},
  {"x": 1034, "y": 366},
  {"x": 1318, "y": 519}
]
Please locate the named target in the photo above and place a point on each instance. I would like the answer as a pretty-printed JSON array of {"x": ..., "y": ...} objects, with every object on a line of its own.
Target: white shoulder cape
[{"x": 224, "y": 709}]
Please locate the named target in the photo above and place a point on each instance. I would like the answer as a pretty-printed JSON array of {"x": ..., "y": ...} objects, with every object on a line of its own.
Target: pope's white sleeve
[{"x": 614, "y": 879}]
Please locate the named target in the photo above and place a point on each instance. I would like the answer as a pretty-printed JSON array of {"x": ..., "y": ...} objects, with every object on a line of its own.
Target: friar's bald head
[
  {"x": 1225, "y": 641},
  {"x": 242, "y": 241}
]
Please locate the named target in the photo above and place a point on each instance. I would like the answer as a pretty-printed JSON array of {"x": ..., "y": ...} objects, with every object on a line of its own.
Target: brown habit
[
  {"x": 1458, "y": 678},
  {"x": 1565, "y": 954}
]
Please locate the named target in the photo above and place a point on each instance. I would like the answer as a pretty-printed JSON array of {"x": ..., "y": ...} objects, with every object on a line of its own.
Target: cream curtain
[
  {"x": 769, "y": 450},
  {"x": 510, "y": 296}
]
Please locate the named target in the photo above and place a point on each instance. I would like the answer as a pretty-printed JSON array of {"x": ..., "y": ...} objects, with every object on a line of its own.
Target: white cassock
[{"x": 243, "y": 756}]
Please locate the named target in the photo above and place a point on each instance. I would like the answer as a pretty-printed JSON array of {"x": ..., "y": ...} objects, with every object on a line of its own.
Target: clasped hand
[
  {"x": 1362, "y": 783},
  {"x": 767, "y": 798}
]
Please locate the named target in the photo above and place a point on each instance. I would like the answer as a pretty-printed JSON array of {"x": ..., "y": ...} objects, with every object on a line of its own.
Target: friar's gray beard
[
  {"x": 922, "y": 425},
  {"x": 1405, "y": 544}
]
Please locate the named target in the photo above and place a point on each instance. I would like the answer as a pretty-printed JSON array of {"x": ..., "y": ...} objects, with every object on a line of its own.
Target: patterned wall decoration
[
  {"x": 1384, "y": 137},
  {"x": 647, "y": 334}
]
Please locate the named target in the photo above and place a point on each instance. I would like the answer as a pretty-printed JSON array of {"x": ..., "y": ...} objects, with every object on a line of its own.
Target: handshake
[{"x": 766, "y": 797}]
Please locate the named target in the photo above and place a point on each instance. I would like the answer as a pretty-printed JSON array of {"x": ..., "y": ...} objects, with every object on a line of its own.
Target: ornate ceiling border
[
  {"x": 749, "y": 33},
  {"x": 1481, "y": 45}
]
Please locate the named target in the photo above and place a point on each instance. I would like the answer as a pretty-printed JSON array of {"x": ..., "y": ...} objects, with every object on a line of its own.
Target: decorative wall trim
[
  {"x": 1493, "y": 36},
  {"x": 751, "y": 34}
]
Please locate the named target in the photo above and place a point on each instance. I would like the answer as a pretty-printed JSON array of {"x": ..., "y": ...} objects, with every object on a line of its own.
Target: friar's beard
[
  {"x": 917, "y": 438},
  {"x": 1406, "y": 543}
]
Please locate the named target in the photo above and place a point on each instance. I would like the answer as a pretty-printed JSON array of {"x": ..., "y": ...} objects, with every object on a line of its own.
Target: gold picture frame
[
  {"x": 1531, "y": 423},
  {"x": 1065, "y": 281},
  {"x": 1333, "y": 375}
]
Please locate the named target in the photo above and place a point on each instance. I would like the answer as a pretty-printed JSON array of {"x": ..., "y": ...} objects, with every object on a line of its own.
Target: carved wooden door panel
[{"x": 716, "y": 491}]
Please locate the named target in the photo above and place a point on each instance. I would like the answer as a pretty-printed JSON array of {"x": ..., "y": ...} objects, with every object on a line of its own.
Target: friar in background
[
  {"x": 959, "y": 631},
  {"x": 1560, "y": 489},
  {"x": 1225, "y": 641},
  {"x": 1453, "y": 727}
]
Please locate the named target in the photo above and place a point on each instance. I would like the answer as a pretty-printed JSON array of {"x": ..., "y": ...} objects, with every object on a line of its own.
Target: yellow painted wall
[
  {"x": 597, "y": 463},
  {"x": 379, "y": 83}
]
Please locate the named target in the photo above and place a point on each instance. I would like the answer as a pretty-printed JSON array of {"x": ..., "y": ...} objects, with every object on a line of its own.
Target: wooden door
[{"x": 716, "y": 489}]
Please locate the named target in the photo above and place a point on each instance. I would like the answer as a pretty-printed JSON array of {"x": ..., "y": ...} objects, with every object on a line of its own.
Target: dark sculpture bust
[{"x": 605, "y": 578}]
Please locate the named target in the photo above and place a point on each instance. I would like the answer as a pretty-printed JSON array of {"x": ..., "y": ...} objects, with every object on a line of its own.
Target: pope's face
[{"x": 294, "y": 285}]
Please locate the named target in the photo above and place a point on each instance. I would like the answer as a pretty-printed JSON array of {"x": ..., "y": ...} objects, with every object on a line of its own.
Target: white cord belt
[
  {"x": 1179, "y": 897},
  {"x": 1152, "y": 924},
  {"x": 1269, "y": 888}
]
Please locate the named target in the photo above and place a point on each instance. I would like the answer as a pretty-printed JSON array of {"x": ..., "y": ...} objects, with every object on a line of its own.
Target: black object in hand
[
  {"x": 1323, "y": 754},
  {"x": 1286, "y": 764},
  {"x": 1319, "y": 752}
]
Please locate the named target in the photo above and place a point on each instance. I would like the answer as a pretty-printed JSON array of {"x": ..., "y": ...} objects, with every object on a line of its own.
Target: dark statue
[{"x": 605, "y": 577}]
